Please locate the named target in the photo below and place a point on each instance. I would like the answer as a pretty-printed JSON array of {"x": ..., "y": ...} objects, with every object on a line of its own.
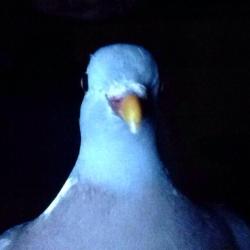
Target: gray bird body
[{"x": 119, "y": 195}]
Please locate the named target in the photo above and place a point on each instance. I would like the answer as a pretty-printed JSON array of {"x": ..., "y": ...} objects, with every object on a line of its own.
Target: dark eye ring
[
  {"x": 115, "y": 103},
  {"x": 84, "y": 82}
]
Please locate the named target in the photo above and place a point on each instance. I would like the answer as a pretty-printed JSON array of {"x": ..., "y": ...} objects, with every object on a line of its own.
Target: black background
[{"x": 203, "y": 56}]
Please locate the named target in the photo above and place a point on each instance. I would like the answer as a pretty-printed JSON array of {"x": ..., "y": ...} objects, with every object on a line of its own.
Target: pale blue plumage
[
  {"x": 119, "y": 195},
  {"x": 121, "y": 63}
]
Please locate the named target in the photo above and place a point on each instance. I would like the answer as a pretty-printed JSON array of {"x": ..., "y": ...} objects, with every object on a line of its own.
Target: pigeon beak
[{"x": 131, "y": 112}]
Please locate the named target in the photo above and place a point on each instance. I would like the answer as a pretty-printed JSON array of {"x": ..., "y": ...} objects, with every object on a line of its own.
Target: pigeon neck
[
  {"x": 120, "y": 161},
  {"x": 110, "y": 154}
]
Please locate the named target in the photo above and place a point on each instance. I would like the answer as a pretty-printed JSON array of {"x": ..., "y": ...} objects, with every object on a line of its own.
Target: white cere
[{"x": 127, "y": 87}]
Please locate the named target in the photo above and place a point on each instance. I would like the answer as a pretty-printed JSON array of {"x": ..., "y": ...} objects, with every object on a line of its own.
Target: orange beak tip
[{"x": 131, "y": 112}]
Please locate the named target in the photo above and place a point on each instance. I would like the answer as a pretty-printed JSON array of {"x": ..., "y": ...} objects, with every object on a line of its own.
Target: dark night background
[{"x": 203, "y": 56}]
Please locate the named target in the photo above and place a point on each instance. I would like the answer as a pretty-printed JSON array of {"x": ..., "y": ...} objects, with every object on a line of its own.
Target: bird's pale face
[
  {"x": 120, "y": 78},
  {"x": 126, "y": 102}
]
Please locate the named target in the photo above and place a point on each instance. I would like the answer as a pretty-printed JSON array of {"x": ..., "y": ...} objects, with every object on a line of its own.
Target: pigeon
[{"x": 119, "y": 194}]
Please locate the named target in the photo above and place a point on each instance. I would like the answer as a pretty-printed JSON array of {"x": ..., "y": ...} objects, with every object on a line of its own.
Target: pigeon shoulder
[
  {"x": 8, "y": 237},
  {"x": 239, "y": 228}
]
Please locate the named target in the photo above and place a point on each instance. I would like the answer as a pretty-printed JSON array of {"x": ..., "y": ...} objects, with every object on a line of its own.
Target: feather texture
[{"x": 119, "y": 194}]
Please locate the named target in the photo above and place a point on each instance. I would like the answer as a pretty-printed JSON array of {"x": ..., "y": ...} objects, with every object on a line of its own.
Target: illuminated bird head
[
  {"x": 117, "y": 118},
  {"x": 126, "y": 75}
]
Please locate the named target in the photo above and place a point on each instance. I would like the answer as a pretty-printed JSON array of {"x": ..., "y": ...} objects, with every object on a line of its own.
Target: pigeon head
[
  {"x": 121, "y": 63},
  {"x": 126, "y": 75},
  {"x": 117, "y": 118}
]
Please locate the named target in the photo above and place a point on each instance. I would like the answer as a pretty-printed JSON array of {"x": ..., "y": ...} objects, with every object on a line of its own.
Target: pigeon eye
[
  {"x": 115, "y": 103},
  {"x": 84, "y": 83}
]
